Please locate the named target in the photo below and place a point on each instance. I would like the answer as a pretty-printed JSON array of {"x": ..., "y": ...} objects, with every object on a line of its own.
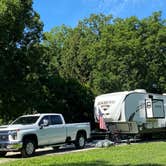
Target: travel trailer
[{"x": 132, "y": 112}]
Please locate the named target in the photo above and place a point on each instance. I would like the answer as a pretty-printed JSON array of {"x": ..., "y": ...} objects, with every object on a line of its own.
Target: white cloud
[
  {"x": 126, "y": 8},
  {"x": 115, "y": 7},
  {"x": 108, "y": 6}
]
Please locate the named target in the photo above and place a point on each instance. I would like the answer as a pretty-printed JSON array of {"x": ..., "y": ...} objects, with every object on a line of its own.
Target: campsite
[{"x": 83, "y": 82}]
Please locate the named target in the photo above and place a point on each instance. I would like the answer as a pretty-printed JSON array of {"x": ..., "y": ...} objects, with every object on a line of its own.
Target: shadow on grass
[
  {"x": 44, "y": 152},
  {"x": 103, "y": 163}
]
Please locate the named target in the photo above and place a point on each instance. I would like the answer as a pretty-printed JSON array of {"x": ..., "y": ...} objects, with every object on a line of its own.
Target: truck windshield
[{"x": 26, "y": 120}]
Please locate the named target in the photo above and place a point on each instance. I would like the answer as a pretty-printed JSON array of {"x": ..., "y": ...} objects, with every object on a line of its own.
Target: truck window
[
  {"x": 26, "y": 120},
  {"x": 56, "y": 119},
  {"x": 45, "y": 117}
]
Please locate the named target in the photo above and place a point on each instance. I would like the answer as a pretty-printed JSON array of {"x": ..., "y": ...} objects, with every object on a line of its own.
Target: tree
[
  {"x": 107, "y": 54},
  {"x": 29, "y": 71},
  {"x": 68, "y": 97},
  {"x": 20, "y": 56}
]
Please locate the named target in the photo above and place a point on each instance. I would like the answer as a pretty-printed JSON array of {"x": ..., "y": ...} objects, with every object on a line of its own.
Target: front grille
[{"x": 4, "y": 136}]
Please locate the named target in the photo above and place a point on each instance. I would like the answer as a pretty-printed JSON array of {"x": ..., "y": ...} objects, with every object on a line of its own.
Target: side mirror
[{"x": 44, "y": 124}]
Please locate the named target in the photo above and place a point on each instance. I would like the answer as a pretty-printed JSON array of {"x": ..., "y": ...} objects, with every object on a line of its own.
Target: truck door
[
  {"x": 58, "y": 130},
  {"x": 44, "y": 132}
]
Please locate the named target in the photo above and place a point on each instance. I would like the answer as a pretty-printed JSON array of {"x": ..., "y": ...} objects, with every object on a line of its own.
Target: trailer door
[{"x": 155, "y": 108}]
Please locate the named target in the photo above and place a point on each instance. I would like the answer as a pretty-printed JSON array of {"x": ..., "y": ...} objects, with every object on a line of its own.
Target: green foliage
[
  {"x": 107, "y": 55},
  {"x": 20, "y": 56},
  {"x": 29, "y": 80},
  {"x": 68, "y": 97}
]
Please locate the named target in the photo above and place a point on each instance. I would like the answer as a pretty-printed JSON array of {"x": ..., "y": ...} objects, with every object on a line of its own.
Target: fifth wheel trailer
[{"x": 132, "y": 112}]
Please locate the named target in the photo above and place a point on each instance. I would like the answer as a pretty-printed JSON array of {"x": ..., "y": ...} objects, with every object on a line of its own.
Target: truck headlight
[{"x": 13, "y": 135}]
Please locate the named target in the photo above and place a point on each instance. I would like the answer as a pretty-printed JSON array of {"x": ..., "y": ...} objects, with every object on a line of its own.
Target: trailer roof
[{"x": 125, "y": 93}]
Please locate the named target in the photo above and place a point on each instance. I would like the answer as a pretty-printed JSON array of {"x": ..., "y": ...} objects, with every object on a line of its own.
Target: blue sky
[{"x": 69, "y": 12}]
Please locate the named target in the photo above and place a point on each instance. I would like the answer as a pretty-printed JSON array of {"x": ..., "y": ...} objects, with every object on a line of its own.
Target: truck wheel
[
  {"x": 2, "y": 154},
  {"x": 28, "y": 149},
  {"x": 80, "y": 141}
]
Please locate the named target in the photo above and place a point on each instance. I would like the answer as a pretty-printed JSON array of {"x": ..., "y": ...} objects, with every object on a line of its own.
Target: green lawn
[{"x": 143, "y": 154}]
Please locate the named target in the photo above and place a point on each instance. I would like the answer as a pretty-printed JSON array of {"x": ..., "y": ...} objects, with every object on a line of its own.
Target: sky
[{"x": 69, "y": 12}]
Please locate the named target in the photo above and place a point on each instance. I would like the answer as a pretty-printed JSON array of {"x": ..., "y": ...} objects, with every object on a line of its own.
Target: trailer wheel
[
  {"x": 2, "y": 154},
  {"x": 56, "y": 148},
  {"x": 147, "y": 136},
  {"x": 80, "y": 141},
  {"x": 28, "y": 149}
]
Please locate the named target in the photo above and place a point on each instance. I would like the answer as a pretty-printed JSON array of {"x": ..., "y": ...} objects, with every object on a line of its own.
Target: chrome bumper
[{"x": 7, "y": 146}]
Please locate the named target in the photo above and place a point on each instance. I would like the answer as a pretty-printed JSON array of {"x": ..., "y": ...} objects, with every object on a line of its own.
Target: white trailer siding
[{"x": 111, "y": 106}]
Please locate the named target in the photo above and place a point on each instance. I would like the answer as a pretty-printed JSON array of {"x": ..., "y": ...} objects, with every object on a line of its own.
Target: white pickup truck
[{"x": 30, "y": 132}]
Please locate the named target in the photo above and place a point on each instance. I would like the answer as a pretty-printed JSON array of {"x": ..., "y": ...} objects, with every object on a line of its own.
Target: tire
[
  {"x": 28, "y": 149},
  {"x": 80, "y": 141},
  {"x": 2, "y": 154}
]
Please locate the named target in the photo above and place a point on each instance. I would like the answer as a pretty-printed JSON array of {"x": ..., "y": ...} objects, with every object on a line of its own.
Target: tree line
[{"x": 64, "y": 69}]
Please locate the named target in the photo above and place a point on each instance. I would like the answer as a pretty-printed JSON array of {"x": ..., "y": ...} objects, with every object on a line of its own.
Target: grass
[{"x": 145, "y": 154}]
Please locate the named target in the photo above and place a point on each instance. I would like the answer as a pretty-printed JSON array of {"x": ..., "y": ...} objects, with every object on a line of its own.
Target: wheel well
[
  {"x": 31, "y": 137},
  {"x": 82, "y": 132}
]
